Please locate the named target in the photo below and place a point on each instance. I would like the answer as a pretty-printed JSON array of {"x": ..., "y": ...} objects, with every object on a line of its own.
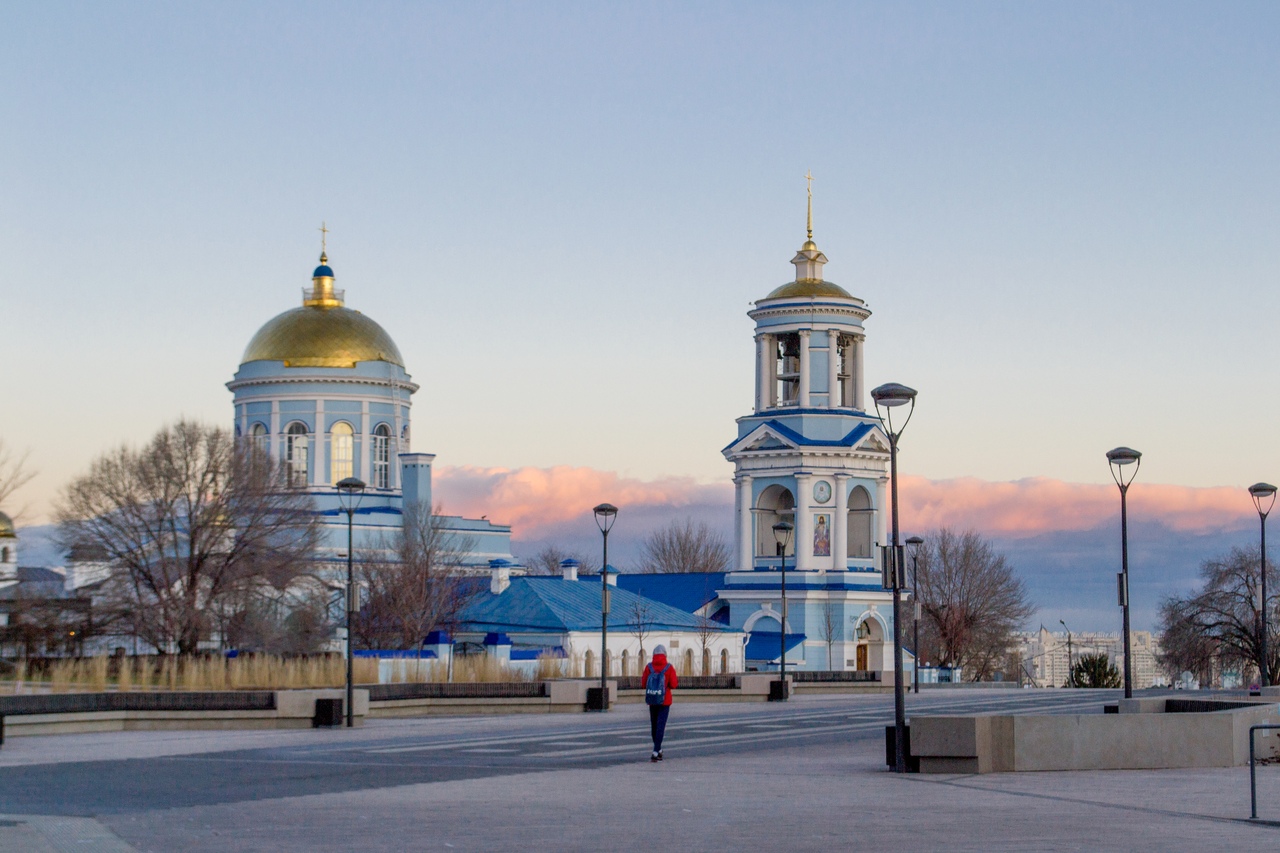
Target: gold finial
[
  {"x": 808, "y": 176},
  {"x": 324, "y": 240}
]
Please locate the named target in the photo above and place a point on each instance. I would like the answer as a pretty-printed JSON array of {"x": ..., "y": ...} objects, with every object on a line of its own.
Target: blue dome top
[{"x": 323, "y": 269}]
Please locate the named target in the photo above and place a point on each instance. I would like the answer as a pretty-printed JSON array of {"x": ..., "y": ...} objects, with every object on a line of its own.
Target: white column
[
  {"x": 746, "y": 529},
  {"x": 276, "y": 439},
  {"x": 366, "y": 445},
  {"x": 833, "y": 367},
  {"x": 804, "y": 521},
  {"x": 859, "y": 384},
  {"x": 319, "y": 448},
  {"x": 764, "y": 370},
  {"x": 882, "y": 512},
  {"x": 840, "y": 533},
  {"x": 805, "y": 379}
]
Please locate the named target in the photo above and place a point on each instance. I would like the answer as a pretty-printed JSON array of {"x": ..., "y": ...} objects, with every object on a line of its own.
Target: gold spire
[
  {"x": 324, "y": 240},
  {"x": 809, "y": 245}
]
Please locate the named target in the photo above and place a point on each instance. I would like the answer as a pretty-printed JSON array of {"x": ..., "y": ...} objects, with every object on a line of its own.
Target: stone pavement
[{"x": 808, "y": 776}]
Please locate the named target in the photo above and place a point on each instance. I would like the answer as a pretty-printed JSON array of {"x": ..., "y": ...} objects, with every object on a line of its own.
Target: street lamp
[
  {"x": 350, "y": 490},
  {"x": 1071, "y": 672},
  {"x": 605, "y": 516},
  {"x": 1117, "y": 460},
  {"x": 892, "y": 395},
  {"x": 914, "y": 544},
  {"x": 1263, "y": 494},
  {"x": 782, "y": 532}
]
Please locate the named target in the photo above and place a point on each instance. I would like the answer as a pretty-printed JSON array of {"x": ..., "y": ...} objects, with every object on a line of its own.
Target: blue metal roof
[
  {"x": 765, "y": 645},
  {"x": 851, "y": 438},
  {"x": 323, "y": 269},
  {"x": 552, "y": 604},
  {"x": 684, "y": 591}
]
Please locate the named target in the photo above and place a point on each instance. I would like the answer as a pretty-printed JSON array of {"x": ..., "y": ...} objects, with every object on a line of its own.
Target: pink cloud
[{"x": 532, "y": 499}]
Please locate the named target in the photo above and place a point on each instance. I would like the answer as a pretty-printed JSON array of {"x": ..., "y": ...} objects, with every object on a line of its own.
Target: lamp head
[
  {"x": 350, "y": 489},
  {"x": 605, "y": 515},
  {"x": 782, "y": 532},
  {"x": 1119, "y": 458},
  {"x": 892, "y": 394},
  {"x": 351, "y": 484},
  {"x": 1264, "y": 497},
  {"x": 914, "y": 544}
]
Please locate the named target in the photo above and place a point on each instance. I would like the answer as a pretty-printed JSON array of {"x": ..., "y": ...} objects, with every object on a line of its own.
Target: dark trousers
[{"x": 658, "y": 724}]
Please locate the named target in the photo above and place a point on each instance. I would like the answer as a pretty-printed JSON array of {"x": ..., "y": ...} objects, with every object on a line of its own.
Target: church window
[
  {"x": 382, "y": 457},
  {"x": 724, "y": 661},
  {"x": 258, "y": 437},
  {"x": 589, "y": 665},
  {"x": 861, "y": 516},
  {"x": 4, "y": 554},
  {"x": 706, "y": 662},
  {"x": 296, "y": 453},
  {"x": 788, "y": 369},
  {"x": 775, "y": 504},
  {"x": 843, "y": 393},
  {"x": 626, "y": 662},
  {"x": 688, "y": 662},
  {"x": 341, "y": 452}
]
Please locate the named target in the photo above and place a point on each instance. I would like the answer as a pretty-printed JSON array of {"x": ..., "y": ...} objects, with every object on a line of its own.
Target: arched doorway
[
  {"x": 869, "y": 651},
  {"x": 775, "y": 504}
]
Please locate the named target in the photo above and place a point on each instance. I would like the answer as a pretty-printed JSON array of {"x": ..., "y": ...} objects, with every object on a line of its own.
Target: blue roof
[
  {"x": 553, "y": 604},
  {"x": 853, "y": 437},
  {"x": 764, "y": 645},
  {"x": 684, "y": 591},
  {"x": 323, "y": 269}
]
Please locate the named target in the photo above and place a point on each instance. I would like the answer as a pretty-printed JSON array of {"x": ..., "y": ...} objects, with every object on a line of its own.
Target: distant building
[{"x": 1045, "y": 655}]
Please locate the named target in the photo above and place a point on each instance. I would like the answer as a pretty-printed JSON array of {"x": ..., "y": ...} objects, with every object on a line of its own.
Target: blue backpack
[{"x": 655, "y": 687}]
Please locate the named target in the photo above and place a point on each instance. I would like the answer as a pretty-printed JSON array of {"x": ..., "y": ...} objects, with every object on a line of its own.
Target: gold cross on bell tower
[
  {"x": 808, "y": 176},
  {"x": 324, "y": 241}
]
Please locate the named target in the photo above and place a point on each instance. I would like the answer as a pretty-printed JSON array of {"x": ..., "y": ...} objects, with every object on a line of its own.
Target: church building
[
  {"x": 810, "y": 454},
  {"x": 323, "y": 389}
]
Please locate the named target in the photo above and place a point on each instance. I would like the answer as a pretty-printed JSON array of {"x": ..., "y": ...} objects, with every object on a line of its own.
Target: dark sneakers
[
  {"x": 659, "y": 758},
  {"x": 655, "y": 757}
]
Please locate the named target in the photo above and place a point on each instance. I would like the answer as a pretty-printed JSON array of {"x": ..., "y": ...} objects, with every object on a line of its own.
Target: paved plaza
[{"x": 808, "y": 775}]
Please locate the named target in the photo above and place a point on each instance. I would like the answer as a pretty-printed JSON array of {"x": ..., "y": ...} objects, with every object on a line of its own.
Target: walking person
[{"x": 659, "y": 681}]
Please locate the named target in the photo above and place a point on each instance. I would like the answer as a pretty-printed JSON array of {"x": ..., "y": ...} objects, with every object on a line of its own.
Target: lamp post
[
  {"x": 782, "y": 532},
  {"x": 1071, "y": 673},
  {"x": 1117, "y": 460},
  {"x": 914, "y": 544},
  {"x": 605, "y": 516},
  {"x": 350, "y": 490},
  {"x": 1263, "y": 493},
  {"x": 892, "y": 395}
]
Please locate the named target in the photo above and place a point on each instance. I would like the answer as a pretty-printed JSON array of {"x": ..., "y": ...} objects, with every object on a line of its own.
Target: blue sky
[{"x": 1062, "y": 216}]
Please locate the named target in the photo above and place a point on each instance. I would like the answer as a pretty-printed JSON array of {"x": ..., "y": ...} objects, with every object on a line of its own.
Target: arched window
[
  {"x": 626, "y": 662},
  {"x": 342, "y": 452},
  {"x": 775, "y": 504},
  {"x": 706, "y": 662},
  {"x": 296, "y": 453},
  {"x": 4, "y": 554},
  {"x": 608, "y": 663},
  {"x": 382, "y": 457},
  {"x": 258, "y": 437},
  {"x": 788, "y": 369},
  {"x": 688, "y": 662},
  {"x": 861, "y": 516},
  {"x": 589, "y": 664},
  {"x": 724, "y": 661}
]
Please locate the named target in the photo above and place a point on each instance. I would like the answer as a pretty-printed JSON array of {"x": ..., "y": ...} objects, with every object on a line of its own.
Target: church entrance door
[{"x": 862, "y": 656}]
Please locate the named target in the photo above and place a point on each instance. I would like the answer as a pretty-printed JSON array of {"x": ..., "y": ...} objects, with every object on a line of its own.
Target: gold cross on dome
[
  {"x": 324, "y": 238},
  {"x": 808, "y": 176}
]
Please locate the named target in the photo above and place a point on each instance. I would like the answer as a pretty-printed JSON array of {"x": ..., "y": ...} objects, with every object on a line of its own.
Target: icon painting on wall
[{"x": 822, "y": 535}]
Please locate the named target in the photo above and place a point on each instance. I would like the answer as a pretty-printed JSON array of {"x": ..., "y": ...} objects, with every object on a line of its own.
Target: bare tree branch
[
  {"x": 14, "y": 474},
  {"x": 684, "y": 547}
]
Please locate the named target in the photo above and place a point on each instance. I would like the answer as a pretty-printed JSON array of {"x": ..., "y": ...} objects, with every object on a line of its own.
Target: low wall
[
  {"x": 1147, "y": 734},
  {"x": 422, "y": 700},
  {"x": 69, "y": 713}
]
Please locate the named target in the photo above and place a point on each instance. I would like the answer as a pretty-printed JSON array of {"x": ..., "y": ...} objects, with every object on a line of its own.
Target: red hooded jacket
[{"x": 659, "y": 662}]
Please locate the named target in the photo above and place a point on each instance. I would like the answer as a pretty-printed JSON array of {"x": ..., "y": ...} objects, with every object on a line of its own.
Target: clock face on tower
[{"x": 822, "y": 491}]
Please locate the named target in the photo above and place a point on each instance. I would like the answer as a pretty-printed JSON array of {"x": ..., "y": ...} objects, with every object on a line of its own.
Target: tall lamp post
[
  {"x": 1071, "y": 672},
  {"x": 890, "y": 396},
  {"x": 914, "y": 544},
  {"x": 1264, "y": 495},
  {"x": 1118, "y": 460},
  {"x": 782, "y": 532},
  {"x": 605, "y": 516},
  {"x": 350, "y": 490}
]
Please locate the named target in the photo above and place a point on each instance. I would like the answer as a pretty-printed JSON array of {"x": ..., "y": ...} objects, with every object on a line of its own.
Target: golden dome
[
  {"x": 322, "y": 333},
  {"x": 7, "y": 530},
  {"x": 809, "y": 288}
]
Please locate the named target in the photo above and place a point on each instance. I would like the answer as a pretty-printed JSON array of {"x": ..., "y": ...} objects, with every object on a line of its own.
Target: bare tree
[
  {"x": 830, "y": 628},
  {"x": 684, "y": 547},
  {"x": 640, "y": 621},
  {"x": 971, "y": 601},
  {"x": 547, "y": 561},
  {"x": 1222, "y": 622},
  {"x": 415, "y": 582},
  {"x": 14, "y": 474},
  {"x": 186, "y": 520}
]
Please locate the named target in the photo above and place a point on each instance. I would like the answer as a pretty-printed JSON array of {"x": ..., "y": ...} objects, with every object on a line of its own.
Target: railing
[
  {"x": 442, "y": 690},
  {"x": 688, "y": 682},
  {"x": 1253, "y": 777},
  {"x": 836, "y": 676}
]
